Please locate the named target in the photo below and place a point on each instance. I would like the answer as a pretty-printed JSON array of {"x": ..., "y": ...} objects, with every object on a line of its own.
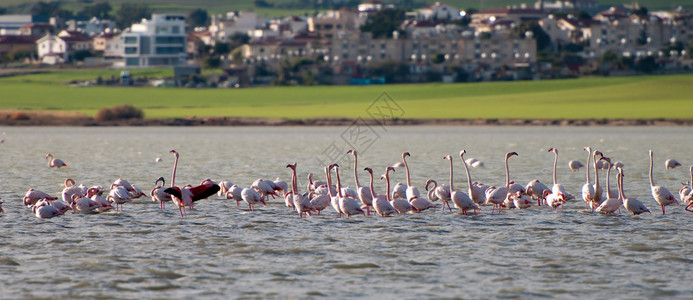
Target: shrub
[{"x": 119, "y": 112}]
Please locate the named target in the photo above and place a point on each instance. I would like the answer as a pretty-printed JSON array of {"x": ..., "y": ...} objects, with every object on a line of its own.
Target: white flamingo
[
  {"x": 43, "y": 209},
  {"x": 321, "y": 200},
  {"x": 347, "y": 204},
  {"x": 686, "y": 193},
  {"x": 252, "y": 197},
  {"x": 497, "y": 196},
  {"x": 224, "y": 187},
  {"x": 363, "y": 192},
  {"x": 55, "y": 162},
  {"x": 83, "y": 204},
  {"x": 632, "y": 205},
  {"x": 461, "y": 200},
  {"x": 70, "y": 190},
  {"x": 381, "y": 205},
  {"x": 32, "y": 196},
  {"x": 554, "y": 199},
  {"x": 411, "y": 191},
  {"x": 613, "y": 202},
  {"x": 558, "y": 188},
  {"x": 104, "y": 205},
  {"x": 588, "y": 188},
  {"x": 660, "y": 193},
  {"x": 671, "y": 164},
  {"x": 401, "y": 205},
  {"x": 598, "y": 191},
  {"x": 574, "y": 165},
  {"x": 118, "y": 195},
  {"x": 334, "y": 197},
  {"x": 535, "y": 189},
  {"x": 302, "y": 204},
  {"x": 158, "y": 194},
  {"x": 234, "y": 192}
]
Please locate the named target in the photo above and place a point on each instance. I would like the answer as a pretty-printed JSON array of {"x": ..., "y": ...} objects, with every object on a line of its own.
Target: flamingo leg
[{"x": 663, "y": 212}]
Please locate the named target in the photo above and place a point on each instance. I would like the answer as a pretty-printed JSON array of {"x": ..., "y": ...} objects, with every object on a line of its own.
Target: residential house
[
  {"x": 57, "y": 49},
  {"x": 221, "y": 29},
  {"x": 438, "y": 12},
  {"x": 159, "y": 41},
  {"x": 91, "y": 27},
  {"x": 15, "y": 43},
  {"x": 331, "y": 23},
  {"x": 10, "y": 24},
  {"x": 516, "y": 15},
  {"x": 39, "y": 29}
]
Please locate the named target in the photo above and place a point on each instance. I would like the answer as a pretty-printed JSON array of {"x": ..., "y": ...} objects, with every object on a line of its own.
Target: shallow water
[{"x": 221, "y": 250}]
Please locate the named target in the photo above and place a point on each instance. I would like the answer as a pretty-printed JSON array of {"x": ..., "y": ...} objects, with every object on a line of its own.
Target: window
[
  {"x": 328, "y": 26},
  {"x": 175, "y": 29},
  {"x": 169, "y": 39},
  {"x": 132, "y": 61},
  {"x": 131, "y": 40},
  {"x": 130, "y": 50}
]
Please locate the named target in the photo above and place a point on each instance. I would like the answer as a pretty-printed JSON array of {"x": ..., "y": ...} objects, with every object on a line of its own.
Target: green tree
[
  {"x": 221, "y": 48},
  {"x": 542, "y": 38},
  {"x": 647, "y": 64},
  {"x": 384, "y": 22},
  {"x": 51, "y": 9},
  {"x": 198, "y": 18},
  {"x": 100, "y": 10},
  {"x": 130, "y": 13}
]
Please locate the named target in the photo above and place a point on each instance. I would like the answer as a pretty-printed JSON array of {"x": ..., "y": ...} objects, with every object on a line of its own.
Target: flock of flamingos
[{"x": 401, "y": 199}]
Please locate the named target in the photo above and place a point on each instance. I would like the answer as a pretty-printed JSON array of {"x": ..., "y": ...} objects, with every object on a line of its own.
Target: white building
[
  {"x": 160, "y": 41},
  {"x": 234, "y": 22},
  {"x": 10, "y": 24}
]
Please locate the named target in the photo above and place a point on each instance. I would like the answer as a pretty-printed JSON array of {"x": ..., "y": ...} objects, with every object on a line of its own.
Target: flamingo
[
  {"x": 598, "y": 191},
  {"x": 224, "y": 187},
  {"x": 497, "y": 196},
  {"x": 347, "y": 204},
  {"x": 558, "y": 188},
  {"x": 280, "y": 186},
  {"x": 104, "y": 205},
  {"x": 520, "y": 200},
  {"x": 632, "y": 205},
  {"x": 475, "y": 163},
  {"x": 535, "y": 189},
  {"x": 554, "y": 199},
  {"x": 32, "y": 196},
  {"x": 70, "y": 190},
  {"x": 124, "y": 184},
  {"x": 158, "y": 194},
  {"x": 574, "y": 165},
  {"x": 613, "y": 201},
  {"x": 660, "y": 193},
  {"x": 321, "y": 200},
  {"x": 671, "y": 164},
  {"x": 1, "y": 209},
  {"x": 381, "y": 205},
  {"x": 55, "y": 162},
  {"x": 186, "y": 196},
  {"x": 265, "y": 188},
  {"x": 411, "y": 191},
  {"x": 302, "y": 204},
  {"x": 587, "y": 188},
  {"x": 83, "y": 204},
  {"x": 235, "y": 193},
  {"x": 401, "y": 205},
  {"x": 252, "y": 197},
  {"x": 43, "y": 209},
  {"x": 461, "y": 200},
  {"x": 364, "y": 192},
  {"x": 118, "y": 195}
]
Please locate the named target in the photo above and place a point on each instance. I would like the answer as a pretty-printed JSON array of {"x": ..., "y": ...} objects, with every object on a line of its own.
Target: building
[
  {"x": 10, "y": 24},
  {"x": 221, "y": 29},
  {"x": 58, "y": 49},
  {"x": 15, "y": 43},
  {"x": 161, "y": 41},
  {"x": 330, "y": 24}
]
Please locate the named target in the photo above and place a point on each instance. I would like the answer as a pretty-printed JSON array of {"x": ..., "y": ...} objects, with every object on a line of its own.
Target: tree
[
  {"x": 52, "y": 9},
  {"x": 221, "y": 48},
  {"x": 647, "y": 64},
  {"x": 542, "y": 38},
  {"x": 130, "y": 13},
  {"x": 100, "y": 10},
  {"x": 198, "y": 18},
  {"x": 384, "y": 22}
]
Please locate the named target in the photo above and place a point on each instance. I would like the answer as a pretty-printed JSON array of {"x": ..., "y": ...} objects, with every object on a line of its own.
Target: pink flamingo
[
  {"x": 598, "y": 191},
  {"x": 158, "y": 194},
  {"x": 321, "y": 200},
  {"x": 612, "y": 202},
  {"x": 411, "y": 191},
  {"x": 302, "y": 204},
  {"x": 660, "y": 193},
  {"x": 558, "y": 188},
  {"x": 462, "y": 201},
  {"x": 400, "y": 204},
  {"x": 347, "y": 205},
  {"x": 380, "y": 203},
  {"x": 497, "y": 196},
  {"x": 32, "y": 196},
  {"x": 55, "y": 162},
  {"x": 632, "y": 205},
  {"x": 186, "y": 196},
  {"x": 364, "y": 192}
]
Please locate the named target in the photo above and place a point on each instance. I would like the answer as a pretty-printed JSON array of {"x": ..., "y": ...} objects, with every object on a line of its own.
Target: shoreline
[{"x": 23, "y": 118}]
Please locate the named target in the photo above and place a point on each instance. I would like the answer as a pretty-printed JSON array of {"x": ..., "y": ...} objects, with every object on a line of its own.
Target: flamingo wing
[{"x": 204, "y": 190}]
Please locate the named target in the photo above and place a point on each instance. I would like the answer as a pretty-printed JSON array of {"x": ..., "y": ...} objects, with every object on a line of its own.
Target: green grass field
[{"x": 648, "y": 97}]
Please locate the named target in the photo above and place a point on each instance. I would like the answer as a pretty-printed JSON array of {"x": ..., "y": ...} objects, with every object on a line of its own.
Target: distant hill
[{"x": 294, "y": 7}]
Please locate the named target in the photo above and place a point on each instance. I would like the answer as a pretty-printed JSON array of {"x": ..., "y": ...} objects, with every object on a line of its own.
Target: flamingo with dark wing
[{"x": 186, "y": 196}]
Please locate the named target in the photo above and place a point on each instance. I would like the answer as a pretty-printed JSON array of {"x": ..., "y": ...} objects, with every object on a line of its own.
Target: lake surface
[{"x": 225, "y": 251}]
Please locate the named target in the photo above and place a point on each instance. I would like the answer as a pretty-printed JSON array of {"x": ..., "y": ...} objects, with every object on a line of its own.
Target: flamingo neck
[
  {"x": 469, "y": 177},
  {"x": 406, "y": 169},
  {"x": 451, "y": 187},
  {"x": 294, "y": 181},
  {"x": 589, "y": 155},
  {"x": 356, "y": 176},
  {"x": 608, "y": 173},
  {"x": 328, "y": 175},
  {"x": 173, "y": 176},
  {"x": 339, "y": 183},
  {"x": 651, "y": 162},
  {"x": 555, "y": 163},
  {"x": 371, "y": 185},
  {"x": 691, "y": 182},
  {"x": 387, "y": 183},
  {"x": 507, "y": 172},
  {"x": 596, "y": 170}
]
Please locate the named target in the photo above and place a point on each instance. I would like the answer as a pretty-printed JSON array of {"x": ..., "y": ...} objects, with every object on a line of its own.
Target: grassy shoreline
[{"x": 596, "y": 98}]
